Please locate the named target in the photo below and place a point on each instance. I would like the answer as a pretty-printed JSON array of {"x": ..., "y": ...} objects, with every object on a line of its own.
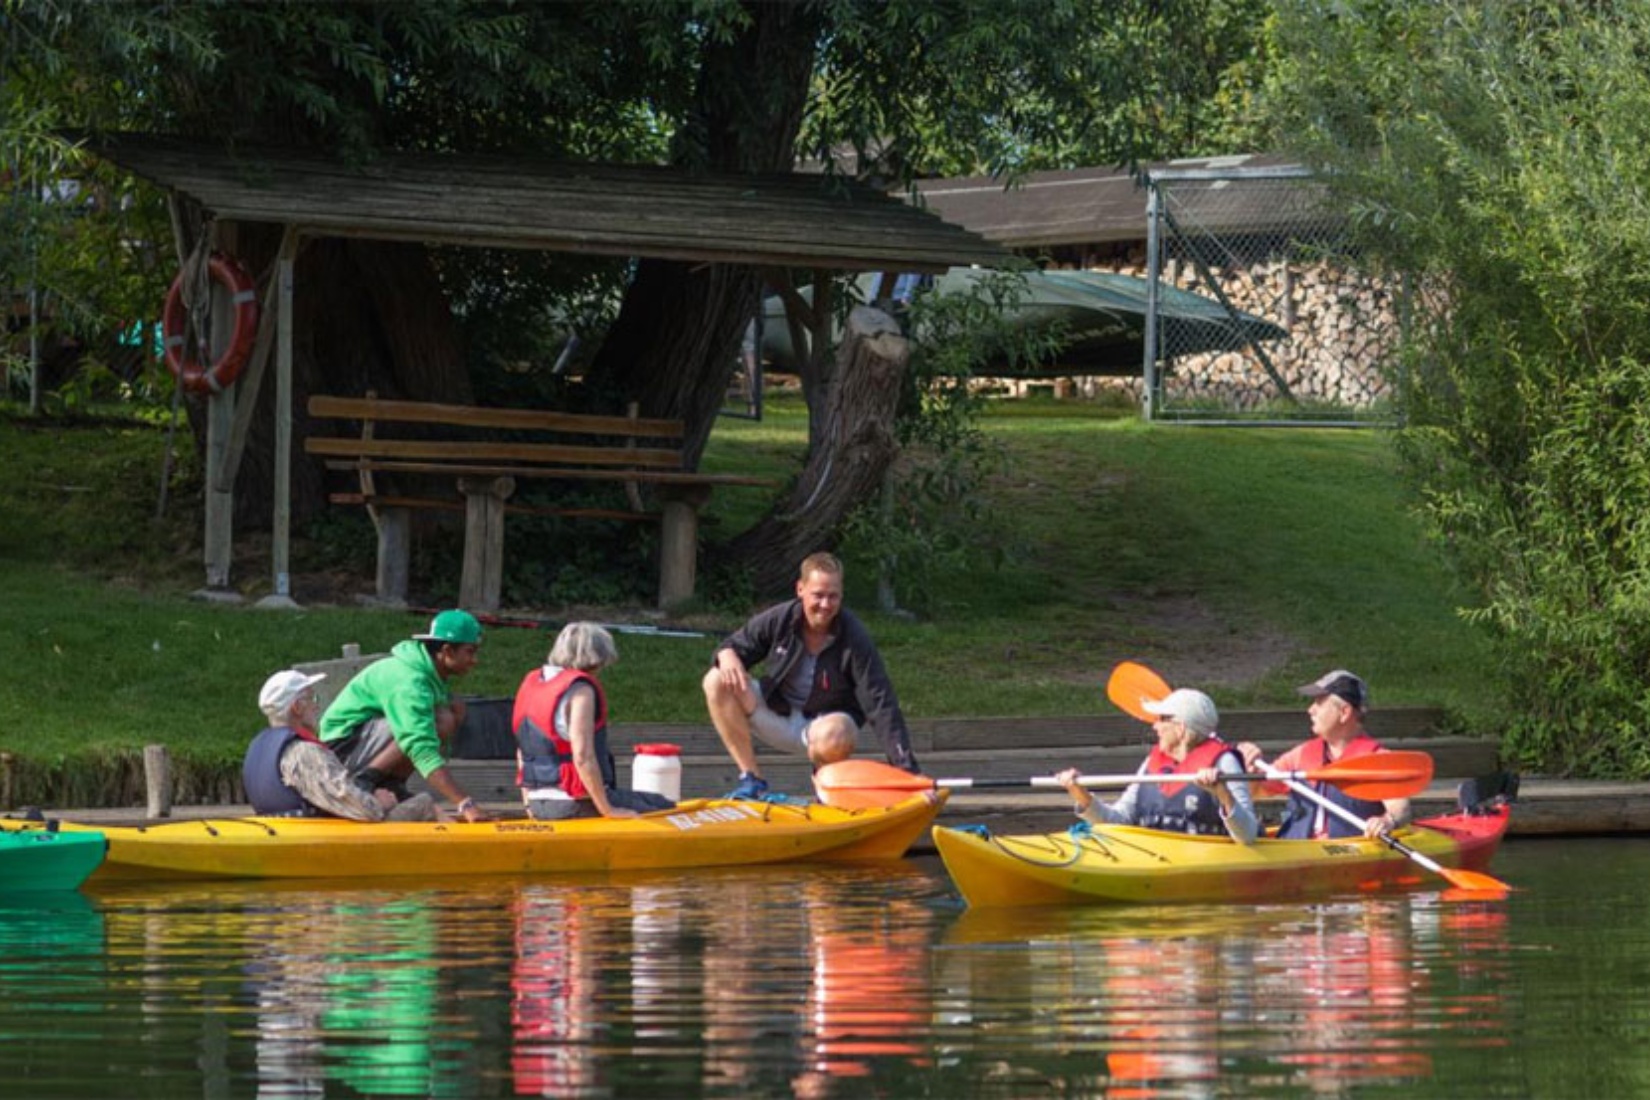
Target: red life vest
[
  {"x": 546, "y": 756},
  {"x": 1301, "y": 813},
  {"x": 1162, "y": 806}
]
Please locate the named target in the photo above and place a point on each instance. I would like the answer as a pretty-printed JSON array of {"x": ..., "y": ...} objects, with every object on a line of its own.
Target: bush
[{"x": 1497, "y": 155}]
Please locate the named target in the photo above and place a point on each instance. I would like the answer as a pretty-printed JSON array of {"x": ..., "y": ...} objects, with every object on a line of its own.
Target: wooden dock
[{"x": 1019, "y": 748}]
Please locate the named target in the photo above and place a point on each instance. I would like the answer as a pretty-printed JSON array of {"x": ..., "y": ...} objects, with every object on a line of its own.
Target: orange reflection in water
[
  {"x": 1326, "y": 996},
  {"x": 869, "y": 994},
  {"x": 705, "y": 965}
]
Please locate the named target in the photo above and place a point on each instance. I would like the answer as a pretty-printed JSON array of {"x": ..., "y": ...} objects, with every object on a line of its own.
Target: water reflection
[
  {"x": 796, "y": 982},
  {"x": 1176, "y": 1002}
]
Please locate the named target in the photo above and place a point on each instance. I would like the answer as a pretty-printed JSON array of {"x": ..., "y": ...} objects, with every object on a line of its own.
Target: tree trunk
[
  {"x": 858, "y": 447},
  {"x": 675, "y": 343}
]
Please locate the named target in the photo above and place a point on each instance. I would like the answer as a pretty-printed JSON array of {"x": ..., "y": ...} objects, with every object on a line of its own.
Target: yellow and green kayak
[
  {"x": 1120, "y": 864},
  {"x": 703, "y": 833}
]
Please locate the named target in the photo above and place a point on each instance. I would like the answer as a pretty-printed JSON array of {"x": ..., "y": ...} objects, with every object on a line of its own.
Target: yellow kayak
[
  {"x": 1117, "y": 864},
  {"x": 702, "y": 833}
]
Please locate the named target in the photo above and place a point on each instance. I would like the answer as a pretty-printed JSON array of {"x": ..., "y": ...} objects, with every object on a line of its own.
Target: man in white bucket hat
[{"x": 288, "y": 772}]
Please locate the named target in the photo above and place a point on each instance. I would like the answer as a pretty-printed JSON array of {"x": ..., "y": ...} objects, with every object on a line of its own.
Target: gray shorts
[
  {"x": 785, "y": 732},
  {"x": 361, "y": 747}
]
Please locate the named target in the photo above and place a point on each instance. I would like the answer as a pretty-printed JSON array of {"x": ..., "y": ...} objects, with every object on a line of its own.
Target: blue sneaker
[{"x": 752, "y": 788}]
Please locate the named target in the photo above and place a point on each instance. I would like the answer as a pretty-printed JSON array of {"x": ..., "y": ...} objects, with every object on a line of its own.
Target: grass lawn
[{"x": 1242, "y": 561}]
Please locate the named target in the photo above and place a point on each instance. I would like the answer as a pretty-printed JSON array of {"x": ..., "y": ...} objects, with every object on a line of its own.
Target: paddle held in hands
[
  {"x": 863, "y": 784},
  {"x": 1472, "y": 881}
]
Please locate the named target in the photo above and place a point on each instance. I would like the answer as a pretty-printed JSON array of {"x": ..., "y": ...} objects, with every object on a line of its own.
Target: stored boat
[
  {"x": 702, "y": 833},
  {"x": 1117, "y": 864},
  {"x": 42, "y": 860}
]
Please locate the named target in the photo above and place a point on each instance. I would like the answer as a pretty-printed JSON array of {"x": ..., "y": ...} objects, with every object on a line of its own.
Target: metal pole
[
  {"x": 32, "y": 212},
  {"x": 34, "y": 338},
  {"x": 1154, "y": 270},
  {"x": 283, "y": 429}
]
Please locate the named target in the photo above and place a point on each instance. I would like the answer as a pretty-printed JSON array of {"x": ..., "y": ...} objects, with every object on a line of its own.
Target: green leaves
[{"x": 1497, "y": 155}]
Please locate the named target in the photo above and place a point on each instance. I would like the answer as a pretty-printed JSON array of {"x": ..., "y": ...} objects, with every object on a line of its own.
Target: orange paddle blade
[
  {"x": 1132, "y": 684},
  {"x": 1475, "y": 886},
  {"x": 866, "y": 784},
  {"x": 1378, "y": 776}
]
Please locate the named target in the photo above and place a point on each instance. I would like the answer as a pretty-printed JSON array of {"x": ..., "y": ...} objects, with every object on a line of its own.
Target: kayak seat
[{"x": 1485, "y": 794}]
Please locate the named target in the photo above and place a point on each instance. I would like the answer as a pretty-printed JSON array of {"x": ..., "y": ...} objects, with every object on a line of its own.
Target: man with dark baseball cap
[
  {"x": 1340, "y": 699},
  {"x": 1341, "y": 684}
]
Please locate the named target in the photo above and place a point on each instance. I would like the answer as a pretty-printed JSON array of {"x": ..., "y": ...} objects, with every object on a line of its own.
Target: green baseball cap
[{"x": 454, "y": 627}]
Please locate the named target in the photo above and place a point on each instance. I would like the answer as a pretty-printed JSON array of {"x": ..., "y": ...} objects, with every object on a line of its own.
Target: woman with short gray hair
[
  {"x": 587, "y": 647},
  {"x": 564, "y": 766}
]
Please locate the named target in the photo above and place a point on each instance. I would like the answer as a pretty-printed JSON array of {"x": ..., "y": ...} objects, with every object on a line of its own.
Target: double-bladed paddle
[{"x": 862, "y": 784}]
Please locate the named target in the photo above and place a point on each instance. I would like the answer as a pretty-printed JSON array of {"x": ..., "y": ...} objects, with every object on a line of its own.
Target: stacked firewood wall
[{"x": 1342, "y": 326}]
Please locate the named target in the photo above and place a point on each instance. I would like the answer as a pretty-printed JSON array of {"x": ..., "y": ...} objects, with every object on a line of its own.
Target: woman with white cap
[{"x": 1186, "y": 742}]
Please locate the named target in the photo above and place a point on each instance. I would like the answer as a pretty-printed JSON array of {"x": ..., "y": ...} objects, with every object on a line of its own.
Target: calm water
[{"x": 830, "y": 982}]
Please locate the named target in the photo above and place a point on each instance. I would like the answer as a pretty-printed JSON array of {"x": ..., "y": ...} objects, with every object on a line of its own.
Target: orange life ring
[{"x": 174, "y": 319}]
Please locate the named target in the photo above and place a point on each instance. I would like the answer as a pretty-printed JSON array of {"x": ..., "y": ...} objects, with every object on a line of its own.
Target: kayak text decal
[{"x": 716, "y": 815}]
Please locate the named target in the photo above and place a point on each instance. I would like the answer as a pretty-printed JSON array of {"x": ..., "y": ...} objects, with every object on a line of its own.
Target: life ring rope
[{"x": 243, "y": 297}]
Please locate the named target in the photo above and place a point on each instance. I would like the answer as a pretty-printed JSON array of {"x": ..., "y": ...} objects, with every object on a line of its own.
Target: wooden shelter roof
[
  {"x": 1086, "y": 205},
  {"x": 777, "y": 219}
]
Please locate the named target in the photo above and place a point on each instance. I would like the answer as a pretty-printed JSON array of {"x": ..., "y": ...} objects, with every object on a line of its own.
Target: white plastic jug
[{"x": 658, "y": 768}]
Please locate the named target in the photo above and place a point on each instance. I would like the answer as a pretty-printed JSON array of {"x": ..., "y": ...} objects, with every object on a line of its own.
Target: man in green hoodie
[{"x": 397, "y": 714}]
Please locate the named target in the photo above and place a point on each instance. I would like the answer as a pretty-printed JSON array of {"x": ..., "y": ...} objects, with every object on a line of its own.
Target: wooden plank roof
[
  {"x": 778, "y": 219},
  {"x": 1087, "y": 205}
]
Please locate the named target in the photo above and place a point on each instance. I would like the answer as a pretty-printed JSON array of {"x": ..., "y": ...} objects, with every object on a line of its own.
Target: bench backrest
[{"x": 665, "y": 453}]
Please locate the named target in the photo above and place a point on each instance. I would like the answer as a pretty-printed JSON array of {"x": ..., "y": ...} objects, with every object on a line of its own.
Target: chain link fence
[{"x": 1286, "y": 327}]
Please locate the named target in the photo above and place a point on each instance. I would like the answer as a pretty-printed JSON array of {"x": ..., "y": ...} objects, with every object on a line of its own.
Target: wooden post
[
  {"x": 157, "y": 780},
  {"x": 679, "y": 542},
  {"x": 283, "y": 415},
  {"x": 483, "y": 577},
  {"x": 632, "y": 491},
  {"x": 280, "y": 531},
  {"x": 220, "y": 423},
  {"x": 220, "y": 500},
  {"x": 394, "y": 554}
]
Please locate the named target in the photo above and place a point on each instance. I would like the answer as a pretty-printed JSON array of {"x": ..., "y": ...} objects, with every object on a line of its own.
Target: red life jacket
[
  {"x": 546, "y": 756},
  {"x": 1301, "y": 813},
  {"x": 1163, "y": 806}
]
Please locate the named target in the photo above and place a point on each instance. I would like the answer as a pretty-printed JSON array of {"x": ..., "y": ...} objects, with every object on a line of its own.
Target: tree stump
[{"x": 856, "y": 449}]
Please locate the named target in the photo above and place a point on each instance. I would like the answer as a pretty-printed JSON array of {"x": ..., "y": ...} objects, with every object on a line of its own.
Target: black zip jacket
[{"x": 848, "y": 673}]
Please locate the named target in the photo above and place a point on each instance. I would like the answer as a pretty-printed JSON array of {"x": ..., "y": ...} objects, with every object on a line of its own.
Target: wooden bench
[{"x": 484, "y": 451}]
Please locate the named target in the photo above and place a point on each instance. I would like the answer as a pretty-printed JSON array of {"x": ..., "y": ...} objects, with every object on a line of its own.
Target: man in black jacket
[{"x": 824, "y": 680}]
